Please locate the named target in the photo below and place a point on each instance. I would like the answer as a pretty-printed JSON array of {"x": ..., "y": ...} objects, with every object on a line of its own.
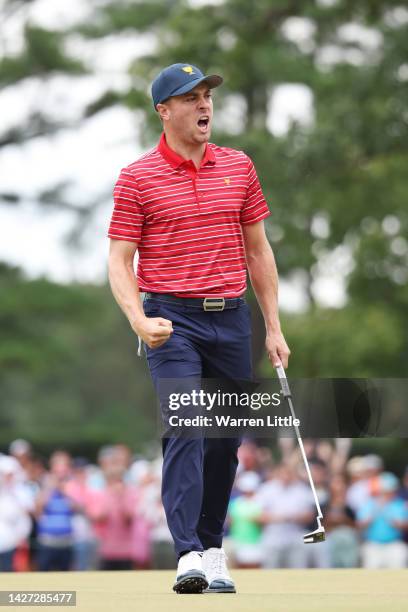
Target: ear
[{"x": 164, "y": 111}]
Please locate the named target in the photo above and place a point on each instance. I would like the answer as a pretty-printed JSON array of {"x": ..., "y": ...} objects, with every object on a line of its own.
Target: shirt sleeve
[
  {"x": 127, "y": 216},
  {"x": 400, "y": 512},
  {"x": 365, "y": 512},
  {"x": 255, "y": 207}
]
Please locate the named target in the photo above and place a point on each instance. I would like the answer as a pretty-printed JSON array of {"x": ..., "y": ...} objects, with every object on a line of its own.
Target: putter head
[{"x": 319, "y": 535}]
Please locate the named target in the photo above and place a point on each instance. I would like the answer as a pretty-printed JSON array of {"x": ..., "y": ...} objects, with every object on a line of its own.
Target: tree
[
  {"x": 327, "y": 180},
  {"x": 68, "y": 367},
  {"x": 336, "y": 185}
]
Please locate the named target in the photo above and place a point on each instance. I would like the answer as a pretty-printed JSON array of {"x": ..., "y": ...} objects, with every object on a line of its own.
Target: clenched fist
[{"x": 154, "y": 331}]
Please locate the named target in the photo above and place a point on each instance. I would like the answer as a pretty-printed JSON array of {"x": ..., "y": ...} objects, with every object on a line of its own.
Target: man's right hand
[{"x": 154, "y": 331}]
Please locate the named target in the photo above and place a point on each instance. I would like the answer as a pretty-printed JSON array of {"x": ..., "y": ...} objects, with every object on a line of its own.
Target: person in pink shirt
[
  {"x": 112, "y": 510},
  {"x": 84, "y": 539}
]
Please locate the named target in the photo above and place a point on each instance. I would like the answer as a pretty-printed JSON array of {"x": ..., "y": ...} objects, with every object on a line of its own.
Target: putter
[{"x": 318, "y": 535}]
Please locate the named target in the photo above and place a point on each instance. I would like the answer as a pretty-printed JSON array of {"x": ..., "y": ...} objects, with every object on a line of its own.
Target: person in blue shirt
[
  {"x": 383, "y": 520},
  {"x": 55, "y": 511}
]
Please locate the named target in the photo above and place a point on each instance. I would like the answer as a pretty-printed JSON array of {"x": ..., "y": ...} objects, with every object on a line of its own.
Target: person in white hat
[{"x": 15, "y": 522}]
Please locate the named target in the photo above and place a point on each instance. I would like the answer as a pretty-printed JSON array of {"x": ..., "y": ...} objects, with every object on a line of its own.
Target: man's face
[{"x": 189, "y": 116}]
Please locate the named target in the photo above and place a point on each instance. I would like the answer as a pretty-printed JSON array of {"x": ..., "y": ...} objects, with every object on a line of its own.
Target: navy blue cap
[{"x": 178, "y": 79}]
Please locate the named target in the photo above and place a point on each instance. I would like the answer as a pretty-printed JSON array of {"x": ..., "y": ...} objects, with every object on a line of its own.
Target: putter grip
[{"x": 283, "y": 381}]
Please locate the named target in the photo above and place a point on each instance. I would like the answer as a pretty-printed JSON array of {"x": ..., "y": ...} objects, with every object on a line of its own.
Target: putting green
[{"x": 259, "y": 590}]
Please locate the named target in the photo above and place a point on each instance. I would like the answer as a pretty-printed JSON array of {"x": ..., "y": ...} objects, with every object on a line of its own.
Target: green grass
[{"x": 258, "y": 591}]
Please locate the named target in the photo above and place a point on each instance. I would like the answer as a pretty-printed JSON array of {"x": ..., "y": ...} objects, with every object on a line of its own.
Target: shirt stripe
[{"x": 187, "y": 222}]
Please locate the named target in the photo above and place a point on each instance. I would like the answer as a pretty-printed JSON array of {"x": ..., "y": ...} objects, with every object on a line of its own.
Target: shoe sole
[
  {"x": 190, "y": 584},
  {"x": 220, "y": 590}
]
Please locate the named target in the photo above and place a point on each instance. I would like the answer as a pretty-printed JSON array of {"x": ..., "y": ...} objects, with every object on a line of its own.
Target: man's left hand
[{"x": 277, "y": 349}]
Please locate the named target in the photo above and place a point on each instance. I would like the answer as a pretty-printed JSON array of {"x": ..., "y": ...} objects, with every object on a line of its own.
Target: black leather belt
[{"x": 209, "y": 304}]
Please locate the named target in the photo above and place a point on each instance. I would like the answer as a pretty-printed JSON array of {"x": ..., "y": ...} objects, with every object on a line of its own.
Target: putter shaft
[{"x": 287, "y": 393}]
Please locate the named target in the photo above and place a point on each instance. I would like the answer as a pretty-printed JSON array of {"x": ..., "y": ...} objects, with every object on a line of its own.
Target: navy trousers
[
  {"x": 199, "y": 472},
  {"x": 54, "y": 558}
]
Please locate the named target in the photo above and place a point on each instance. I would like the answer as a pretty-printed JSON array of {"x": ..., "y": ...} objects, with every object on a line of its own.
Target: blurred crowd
[{"x": 68, "y": 513}]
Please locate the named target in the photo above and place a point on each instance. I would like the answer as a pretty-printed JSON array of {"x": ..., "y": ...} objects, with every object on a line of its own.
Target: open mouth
[{"x": 203, "y": 123}]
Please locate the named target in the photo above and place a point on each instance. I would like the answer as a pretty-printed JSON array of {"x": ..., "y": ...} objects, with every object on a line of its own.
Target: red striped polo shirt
[{"x": 187, "y": 222}]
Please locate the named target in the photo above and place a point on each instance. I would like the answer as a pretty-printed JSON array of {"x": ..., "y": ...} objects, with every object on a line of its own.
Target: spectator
[
  {"x": 105, "y": 456},
  {"x": 287, "y": 507},
  {"x": 36, "y": 475},
  {"x": 291, "y": 454},
  {"x": 112, "y": 510},
  {"x": 150, "y": 525},
  {"x": 248, "y": 456},
  {"x": 55, "y": 511},
  {"x": 315, "y": 450},
  {"x": 265, "y": 462},
  {"x": 124, "y": 457},
  {"x": 339, "y": 520},
  {"x": 21, "y": 450},
  {"x": 117, "y": 508},
  {"x": 342, "y": 448},
  {"x": 323, "y": 452},
  {"x": 384, "y": 519},
  {"x": 84, "y": 539},
  {"x": 403, "y": 494},
  {"x": 15, "y": 523},
  {"x": 364, "y": 472},
  {"x": 318, "y": 556},
  {"x": 245, "y": 530}
]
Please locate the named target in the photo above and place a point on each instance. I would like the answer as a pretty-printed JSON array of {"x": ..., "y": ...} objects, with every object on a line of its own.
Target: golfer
[{"x": 194, "y": 212}]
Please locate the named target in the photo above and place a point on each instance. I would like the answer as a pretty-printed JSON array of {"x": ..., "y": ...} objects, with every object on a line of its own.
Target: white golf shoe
[
  {"x": 190, "y": 574},
  {"x": 216, "y": 571}
]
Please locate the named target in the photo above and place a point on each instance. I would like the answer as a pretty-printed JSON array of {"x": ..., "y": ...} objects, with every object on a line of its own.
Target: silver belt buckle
[{"x": 214, "y": 304}]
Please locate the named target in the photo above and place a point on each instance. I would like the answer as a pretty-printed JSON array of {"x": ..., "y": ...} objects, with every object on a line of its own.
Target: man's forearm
[
  {"x": 126, "y": 292},
  {"x": 264, "y": 279},
  {"x": 154, "y": 331}
]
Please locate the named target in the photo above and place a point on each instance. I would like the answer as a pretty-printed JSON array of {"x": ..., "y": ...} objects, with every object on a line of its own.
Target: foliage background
[{"x": 337, "y": 187}]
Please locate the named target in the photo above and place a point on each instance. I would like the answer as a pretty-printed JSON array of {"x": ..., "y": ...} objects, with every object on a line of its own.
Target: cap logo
[{"x": 188, "y": 69}]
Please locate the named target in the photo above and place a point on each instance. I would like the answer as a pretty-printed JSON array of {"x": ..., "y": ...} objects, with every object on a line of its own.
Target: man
[
  {"x": 383, "y": 518},
  {"x": 194, "y": 211},
  {"x": 55, "y": 512},
  {"x": 287, "y": 508}
]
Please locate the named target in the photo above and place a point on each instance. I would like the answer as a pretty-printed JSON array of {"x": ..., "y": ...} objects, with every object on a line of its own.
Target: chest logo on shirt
[{"x": 227, "y": 180}]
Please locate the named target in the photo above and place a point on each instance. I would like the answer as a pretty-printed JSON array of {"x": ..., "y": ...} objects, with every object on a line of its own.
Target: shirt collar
[{"x": 177, "y": 160}]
